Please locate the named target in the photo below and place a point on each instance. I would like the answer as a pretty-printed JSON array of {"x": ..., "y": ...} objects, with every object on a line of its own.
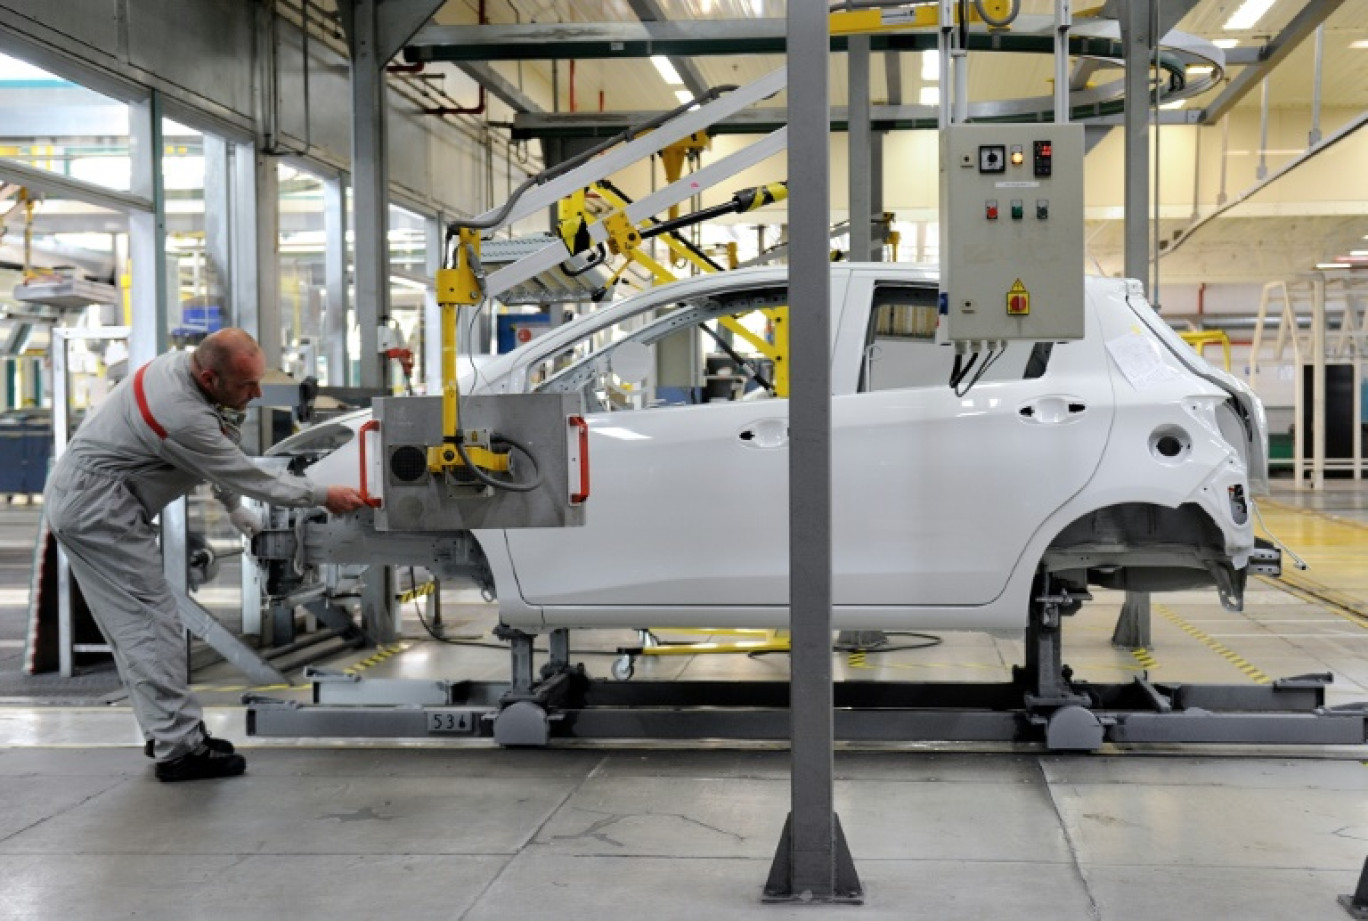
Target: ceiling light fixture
[
  {"x": 1199, "y": 70},
  {"x": 1175, "y": 104},
  {"x": 1361, "y": 43},
  {"x": 1225, "y": 42},
  {"x": 1333, "y": 265},
  {"x": 1247, "y": 15},
  {"x": 667, "y": 70},
  {"x": 684, "y": 96},
  {"x": 929, "y": 96}
]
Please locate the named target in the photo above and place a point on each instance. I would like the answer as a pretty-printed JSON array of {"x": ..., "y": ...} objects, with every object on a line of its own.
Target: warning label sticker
[{"x": 1018, "y": 300}]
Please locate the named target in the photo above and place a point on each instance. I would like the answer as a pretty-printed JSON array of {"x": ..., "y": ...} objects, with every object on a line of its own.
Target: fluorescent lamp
[
  {"x": 1359, "y": 253},
  {"x": 929, "y": 96},
  {"x": 684, "y": 96},
  {"x": 1225, "y": 42},
  {"x": 1199, "y": 70},
  {"x": 667, "y": 70},
  {"x": 1176, "y": 104},
  {"x": 1361, "y": 43},
  {"x": 1333, "y": 265},
  {"x": 1247, "y": 15},
  {"x": 931, "y": 65}
]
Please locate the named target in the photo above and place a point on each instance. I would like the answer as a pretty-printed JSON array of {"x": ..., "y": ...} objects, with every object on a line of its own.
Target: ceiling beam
[
  {"x": 650, "y": 11},
  {"x": 59, "y": 186},
  {"x": 893, "y": 78},
  {"x": 696, "y": 38},
  {"x": 765, "y": 120},
  {"x": 1271, "y": 55},
  {"x": 1345, "y": 131},
  {"x": 502, "y": 89},
  {"x": 1171, "y": 12}
]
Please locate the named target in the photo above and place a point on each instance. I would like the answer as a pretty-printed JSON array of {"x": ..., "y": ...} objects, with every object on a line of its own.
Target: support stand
[
  {"x": 1052, "y": 699},
  {"x": 1133, "y": 625},
  {"x": 845, "y": 884},
  {"x": 1357, "y": 904}
]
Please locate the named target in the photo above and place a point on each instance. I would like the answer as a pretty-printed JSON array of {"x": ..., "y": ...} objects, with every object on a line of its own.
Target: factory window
[
  {"x": 901, "y": 350},
  {"x": 56, "y": 125}
]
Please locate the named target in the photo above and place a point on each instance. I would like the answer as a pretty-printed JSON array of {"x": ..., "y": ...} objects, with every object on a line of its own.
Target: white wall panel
[
  {"x": 93, "y": 23},
  {"x": 204, "y": 47}
]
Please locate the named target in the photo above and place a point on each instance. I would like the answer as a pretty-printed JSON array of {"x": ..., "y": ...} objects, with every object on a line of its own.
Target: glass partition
[{"x": 52, "y": 124}]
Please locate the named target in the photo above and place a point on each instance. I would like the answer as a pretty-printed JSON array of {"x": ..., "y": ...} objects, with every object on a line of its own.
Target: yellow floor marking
[
  {"x": 1206, "y": 640},
  {"x": 413, "y": 594},
  {"x": 1145, "y": 658}
]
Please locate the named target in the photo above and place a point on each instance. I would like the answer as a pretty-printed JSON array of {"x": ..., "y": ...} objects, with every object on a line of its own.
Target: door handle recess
[
  {"x": 1052, "y": 410},
  {"x": 767, "y": 433}
]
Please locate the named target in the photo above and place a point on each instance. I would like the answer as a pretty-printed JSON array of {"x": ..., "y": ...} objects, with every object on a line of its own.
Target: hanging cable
[{"x": 494, "y": 482}]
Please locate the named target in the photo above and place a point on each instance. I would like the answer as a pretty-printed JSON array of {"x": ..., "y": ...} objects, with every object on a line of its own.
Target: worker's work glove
[{"x": 247, "y": 521}]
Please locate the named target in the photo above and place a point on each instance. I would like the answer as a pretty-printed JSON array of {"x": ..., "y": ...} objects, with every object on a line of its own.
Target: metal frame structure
[
  {"x": 1042, "y": 705},
  {"x": 61, "y": 425},
  {"x": 1316, "y": 348}
]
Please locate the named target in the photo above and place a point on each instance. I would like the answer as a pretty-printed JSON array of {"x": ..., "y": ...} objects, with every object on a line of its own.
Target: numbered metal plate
[{"x": 450, "y": 721}]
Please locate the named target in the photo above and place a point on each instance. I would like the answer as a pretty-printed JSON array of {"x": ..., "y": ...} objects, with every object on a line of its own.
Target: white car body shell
[{"x": 942, "y": 505}]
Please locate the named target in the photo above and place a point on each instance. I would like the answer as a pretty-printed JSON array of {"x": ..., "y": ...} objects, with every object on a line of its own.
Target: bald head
[{"x": 228, "y": 365}]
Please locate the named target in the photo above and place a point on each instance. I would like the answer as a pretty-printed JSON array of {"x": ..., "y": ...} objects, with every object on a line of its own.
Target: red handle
[
  {"x": 371, "y": 426},
  {"x": 578, "y": 422}
]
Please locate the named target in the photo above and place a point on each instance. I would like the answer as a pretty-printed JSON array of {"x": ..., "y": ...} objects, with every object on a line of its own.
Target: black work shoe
[
  {"x": 223, "y": 746},
  {"x": 200, "y": 765}
]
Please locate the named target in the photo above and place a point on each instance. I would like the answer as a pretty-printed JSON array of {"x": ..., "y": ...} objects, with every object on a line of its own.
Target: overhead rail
[{"x": 1094, "y": 41}]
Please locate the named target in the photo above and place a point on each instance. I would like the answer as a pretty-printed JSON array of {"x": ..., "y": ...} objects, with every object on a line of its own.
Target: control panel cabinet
[{"x": 1011, "y": 231}]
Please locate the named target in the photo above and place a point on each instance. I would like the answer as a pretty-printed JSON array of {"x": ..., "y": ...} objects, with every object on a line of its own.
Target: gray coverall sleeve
[{"x": 208, "y": 453}]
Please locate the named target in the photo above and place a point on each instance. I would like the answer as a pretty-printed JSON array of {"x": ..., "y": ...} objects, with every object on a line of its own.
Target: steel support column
[
  {"x": 1137, "y": 35},
  {"x": 147, "y": 234},
  {"x": 218, "y": 211},
  {"x": 256, "y": 267},
  {"x": 369, "y": 175},
  {"x": 1138, "y": 38},
  {"x": 859, "y": 150},
  {"x": 432, "y": 314},
  {"x": 812, "y": 862},
  {"x": 376, "y": 30},
  {"x": 335, "y": 281}
]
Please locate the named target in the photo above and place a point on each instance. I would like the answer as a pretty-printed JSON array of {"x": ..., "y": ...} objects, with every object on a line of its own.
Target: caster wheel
[{"x": 624, "y": 668}]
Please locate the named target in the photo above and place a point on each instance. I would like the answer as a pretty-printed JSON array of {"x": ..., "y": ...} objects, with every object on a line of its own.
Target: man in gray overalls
[{"x": 171, "y": 426}]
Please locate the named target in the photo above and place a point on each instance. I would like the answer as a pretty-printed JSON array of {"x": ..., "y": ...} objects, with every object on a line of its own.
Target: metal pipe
[
  {"x": 1158, "y": 76},
  {"x": 1063, "y": 20},
  {"x": 1315, "y": 135},
  {"x": 477, "y": 109},
  {"x": 1262, "y": 171},
  {"x": 1197, "y": 173},
  {"x": 945, "y": 43},
  {"x": 1225, "y": 159},
  {"x": 1317, "y": 383}
]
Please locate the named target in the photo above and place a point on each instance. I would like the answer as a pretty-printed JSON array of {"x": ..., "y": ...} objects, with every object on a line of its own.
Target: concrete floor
[{"x": 459, "y": 829}]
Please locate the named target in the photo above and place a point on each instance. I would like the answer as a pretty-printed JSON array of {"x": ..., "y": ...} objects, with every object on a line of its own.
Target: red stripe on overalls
[{"x": 141, "y": 396}]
